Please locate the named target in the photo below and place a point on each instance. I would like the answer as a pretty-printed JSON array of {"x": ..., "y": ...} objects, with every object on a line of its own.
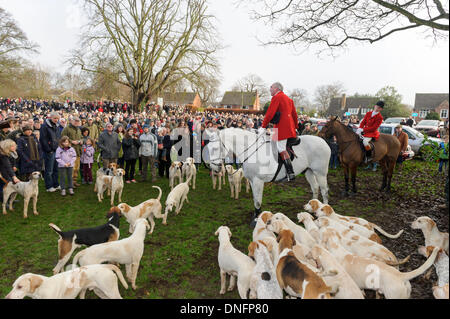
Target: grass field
[{"x": 180, "y": 259}]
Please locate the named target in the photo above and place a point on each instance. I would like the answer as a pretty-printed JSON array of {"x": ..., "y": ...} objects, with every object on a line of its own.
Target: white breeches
[
  {"x": 281, "y": 145},
  {"x": 366, "y": 141}
]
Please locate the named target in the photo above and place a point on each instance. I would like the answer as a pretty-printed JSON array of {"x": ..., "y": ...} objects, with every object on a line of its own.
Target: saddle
[{"x": 368, "y": 155}]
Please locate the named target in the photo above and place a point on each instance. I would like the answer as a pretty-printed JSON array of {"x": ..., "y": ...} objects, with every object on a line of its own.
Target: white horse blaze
[{"x": 261, "y": 163}]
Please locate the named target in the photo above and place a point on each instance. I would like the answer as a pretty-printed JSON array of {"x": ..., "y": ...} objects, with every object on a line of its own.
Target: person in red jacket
[
  {"x": 368, "y": 128},
  {"x": 287, "y": 125}
]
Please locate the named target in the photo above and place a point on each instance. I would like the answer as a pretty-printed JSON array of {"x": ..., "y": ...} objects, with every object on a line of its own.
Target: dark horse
[{"x": 351, "y": 155}]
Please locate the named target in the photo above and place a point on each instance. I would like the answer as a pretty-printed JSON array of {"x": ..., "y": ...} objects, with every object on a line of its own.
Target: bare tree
[
  {"x": 251, "y": 83},
  {"x": 155, "y": 43},
  {"x": 333, "y": 23},
  {"x": 324, "y": 94},
  {"x": 300, "y": 98},
  {"x": 13, "y": 42},
  {"x": 207, "y": 87}
]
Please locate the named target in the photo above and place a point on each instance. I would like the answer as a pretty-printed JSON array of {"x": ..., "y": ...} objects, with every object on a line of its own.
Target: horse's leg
[
  {"x": 257, "y": 186},
  {"x": 347, "y": 187},
  {"x": 353, "y": 171},
  {"x": 311, "y": 178},
  {"x": 384, "y": 167},
  {"x": 323, "y": 184},
  {"x": 391, "y": 166}
]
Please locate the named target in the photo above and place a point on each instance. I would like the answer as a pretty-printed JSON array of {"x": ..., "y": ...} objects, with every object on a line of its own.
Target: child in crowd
[
  {"x": 65, "y": 156},
  {"x": 87, "y": 159}
]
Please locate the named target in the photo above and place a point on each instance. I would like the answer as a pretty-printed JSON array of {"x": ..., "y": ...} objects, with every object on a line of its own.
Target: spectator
[
  {"x": 110, "y": 145},
  {"x": 30, "y": 153},
  {"x": 73, "y": 132},
  {"x": 307, "y": 130},
  {"x": 443, "y": 154},
  {"x": 403, "y": 139},
  {"x": 93, "y": 129},
  {"x": 66, "y": 157},
  {"x": 87, "y": 159},
  {"x": 7, "y": 172},
  {"x": 120, "y": 133},
  {"x": 334, "y": 160},
  {"x": 130, "y": 146},
  {"x": 50, "y": 135},
  {"x": 410, "y": 121},
  {"x": 148, "y": 151}
]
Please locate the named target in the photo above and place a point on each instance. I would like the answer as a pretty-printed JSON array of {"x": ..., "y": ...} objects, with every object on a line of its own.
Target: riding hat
[{"x": 380, "y": 104}]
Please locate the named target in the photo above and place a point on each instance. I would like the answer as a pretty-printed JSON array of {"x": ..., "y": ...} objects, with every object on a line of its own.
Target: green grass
[{"x": 180, "y": 259}]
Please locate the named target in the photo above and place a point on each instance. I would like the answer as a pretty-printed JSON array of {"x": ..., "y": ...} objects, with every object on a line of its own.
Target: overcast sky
[{"x": 406, "y": 60}]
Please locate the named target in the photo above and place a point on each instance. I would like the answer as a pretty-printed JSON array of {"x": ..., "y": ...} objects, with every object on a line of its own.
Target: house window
[
  {"x": 245, "y": 107},
  {"x": 364, "y": 111},
  {"x": 444, "y": 113},
  {"x": 423, "y": 113},
  {"x": 353, "y": 111}
]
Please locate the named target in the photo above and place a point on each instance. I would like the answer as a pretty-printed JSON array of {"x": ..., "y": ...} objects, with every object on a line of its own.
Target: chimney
[{"x": 343, "y": 101}]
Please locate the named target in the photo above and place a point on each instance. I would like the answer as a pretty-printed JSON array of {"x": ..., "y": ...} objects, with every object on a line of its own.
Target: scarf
[{"x": 34, "y": 153}]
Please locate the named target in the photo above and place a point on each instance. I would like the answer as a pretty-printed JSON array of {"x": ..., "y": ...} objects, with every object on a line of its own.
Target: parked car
[
  {"x": 429, "y": 127},
  {"x": 415, "y": 138},
  {"x": 395, "y": 120}
]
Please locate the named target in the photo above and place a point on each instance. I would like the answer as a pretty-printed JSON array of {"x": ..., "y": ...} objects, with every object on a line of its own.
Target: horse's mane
[{"x": 347, "y": 128}]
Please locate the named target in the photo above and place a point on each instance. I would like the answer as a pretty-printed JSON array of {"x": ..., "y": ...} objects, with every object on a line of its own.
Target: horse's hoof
[
  {"x": 37, "y": 213},
  {"x": 344, "y": 193},
  {"x": 253, "y": 223}
]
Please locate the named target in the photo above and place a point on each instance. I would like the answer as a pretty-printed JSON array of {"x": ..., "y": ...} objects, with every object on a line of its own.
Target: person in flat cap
[
  {"x": 4, "y": 129},
  {"x": 368, "y": 128}
]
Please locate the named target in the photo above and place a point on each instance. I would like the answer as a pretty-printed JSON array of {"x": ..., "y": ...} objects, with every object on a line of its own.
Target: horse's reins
[{"x": 257, "y": 139}]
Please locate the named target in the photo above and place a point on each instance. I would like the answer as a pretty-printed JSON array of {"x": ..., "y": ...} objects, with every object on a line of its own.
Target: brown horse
[{"x": 351, "y": 155}]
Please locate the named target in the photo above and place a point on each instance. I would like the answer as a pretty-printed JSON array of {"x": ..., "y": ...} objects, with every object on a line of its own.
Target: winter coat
[
  {"x": 26, "y": 165},
  {"x": 87, "y": 154},
  {"x": 288, "y": 123},
  {"x": 74, "y": 134},
  {"x": 403, "y": 139},
  {"x": 65, "y": 155},
  {"x": 6, "y": 169},
  {"x": 130, "y": 148},
  {"x": 149, "y": 144},
  {"x": 50, "y": 135},
  {"x": 370, "y": 125},
  {"x": 93, "y": 131},
  {"x": 109, "y": 144}
]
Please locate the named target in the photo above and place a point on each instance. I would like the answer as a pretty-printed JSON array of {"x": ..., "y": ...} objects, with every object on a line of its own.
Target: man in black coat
[{"x": 50, "y": 135}]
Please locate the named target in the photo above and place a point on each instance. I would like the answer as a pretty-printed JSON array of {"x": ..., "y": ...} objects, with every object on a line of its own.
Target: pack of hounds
[
  {"x": 96, "y": 268},
  {"x": 331, "y": 257}
]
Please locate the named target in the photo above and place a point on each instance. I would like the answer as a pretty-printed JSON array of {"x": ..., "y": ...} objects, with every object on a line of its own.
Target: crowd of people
[{"x": 61, "y": 138}]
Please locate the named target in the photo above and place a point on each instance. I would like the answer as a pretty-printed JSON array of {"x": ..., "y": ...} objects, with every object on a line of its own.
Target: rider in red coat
[
  {"x": 287, "y": 125},
  {"x": 369, "y": 126}
]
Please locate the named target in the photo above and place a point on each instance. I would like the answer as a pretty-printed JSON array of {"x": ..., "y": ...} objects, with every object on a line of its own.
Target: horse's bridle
[{"x": 227, "y": 150}]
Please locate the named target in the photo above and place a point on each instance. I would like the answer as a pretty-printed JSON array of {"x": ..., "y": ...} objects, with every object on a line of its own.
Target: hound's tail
[
  {"x": 188, "y": 180},
  {"x": 387, "y": 234},
  {"x": 56, "y": 229},
  {"x": 160, "y": 192},
  {"x": 413, "y": 274},
  {"x": 119, "y": 274},
  {"x": 77, "y": 257},
  {"x": 400, "y": 262}
]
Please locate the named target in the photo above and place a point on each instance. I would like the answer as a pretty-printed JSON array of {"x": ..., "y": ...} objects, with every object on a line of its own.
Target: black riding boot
[{"x": 288, "y": 165}]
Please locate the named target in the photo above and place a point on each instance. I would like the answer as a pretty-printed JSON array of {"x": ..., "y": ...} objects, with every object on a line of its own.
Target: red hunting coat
[
  {"x": 288, "y": 119},
  {"x": 370, "y": 125}
]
